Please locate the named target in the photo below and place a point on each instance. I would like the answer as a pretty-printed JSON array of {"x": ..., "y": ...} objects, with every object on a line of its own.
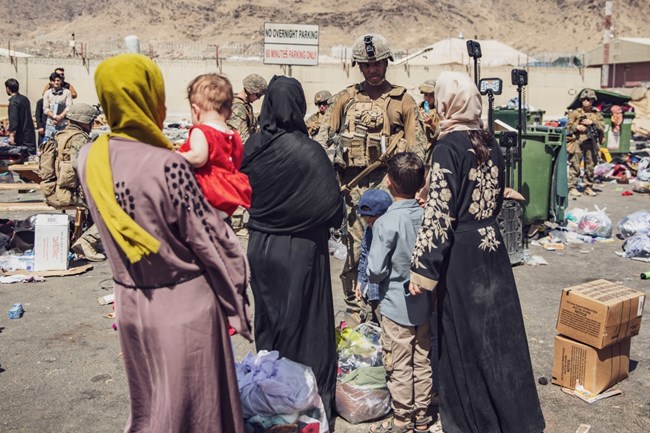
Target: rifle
[{"x": 593, "y": 134}]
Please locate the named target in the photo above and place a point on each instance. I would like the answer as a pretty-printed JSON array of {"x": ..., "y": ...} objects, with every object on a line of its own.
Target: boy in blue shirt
[
  {"x": 372, "y": 204},
  {"x": 404, "y": 318}
]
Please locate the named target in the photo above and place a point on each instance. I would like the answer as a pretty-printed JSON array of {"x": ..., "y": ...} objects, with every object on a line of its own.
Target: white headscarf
[{"x": 459, "y": 103}]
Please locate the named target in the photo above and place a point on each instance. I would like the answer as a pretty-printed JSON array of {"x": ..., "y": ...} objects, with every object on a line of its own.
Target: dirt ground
[{"x": 61, "y": 370}]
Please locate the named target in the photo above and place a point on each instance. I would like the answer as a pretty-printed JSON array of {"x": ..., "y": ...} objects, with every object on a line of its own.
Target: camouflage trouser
[
  {"x": 586, "y": 150},
  {"x": 239, "y": 219},
  {"x": 355, "y": 227}
]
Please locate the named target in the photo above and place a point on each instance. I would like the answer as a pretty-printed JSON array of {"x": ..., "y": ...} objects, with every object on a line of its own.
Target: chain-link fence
[
  {"x": 100, "y": 50},
  {"x": 234, "y": 51}
]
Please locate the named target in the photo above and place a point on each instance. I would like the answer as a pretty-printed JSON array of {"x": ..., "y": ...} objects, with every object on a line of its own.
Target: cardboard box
[
  {"x": 51, "y": 242},
  {"x": 600, "y": 313},
  {"x": 594, "y": 369}
]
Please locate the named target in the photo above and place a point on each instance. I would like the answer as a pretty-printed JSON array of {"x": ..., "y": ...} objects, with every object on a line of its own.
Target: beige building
[{"x": 628, "y": 65}]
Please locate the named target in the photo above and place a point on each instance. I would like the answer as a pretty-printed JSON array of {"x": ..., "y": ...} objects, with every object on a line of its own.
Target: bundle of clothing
[{"x": 278, "y": 392}]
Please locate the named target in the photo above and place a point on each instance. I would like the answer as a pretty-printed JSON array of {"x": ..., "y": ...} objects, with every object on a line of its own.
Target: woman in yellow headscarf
[{"x": 179, "y": 271}]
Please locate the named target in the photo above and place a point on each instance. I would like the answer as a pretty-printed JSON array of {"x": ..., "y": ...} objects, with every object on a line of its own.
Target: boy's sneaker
[
  {"x": 590, "y": 192},
  {"x": 574, "y": 192}
]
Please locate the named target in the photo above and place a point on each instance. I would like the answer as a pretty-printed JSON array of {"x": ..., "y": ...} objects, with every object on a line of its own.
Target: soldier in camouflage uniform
[
  {"x": 428, "y": 114},
  {"x": 243, "y": 118},
  {"x": 585, "y": 132},
  {"x": 321, "y": 99},
  {"x": 369, "y": 122},
  {"x": 58, "y": 169}
]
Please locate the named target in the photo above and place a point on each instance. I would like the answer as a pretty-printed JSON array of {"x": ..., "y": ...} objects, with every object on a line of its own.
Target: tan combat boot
[
  {"x": 574, "y": 192},
  {"x": 590, "y": 192},
  {"x": 83, "y": 248}
]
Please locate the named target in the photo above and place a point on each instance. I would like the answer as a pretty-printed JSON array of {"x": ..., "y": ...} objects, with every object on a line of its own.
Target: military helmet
[
  {"x": 370, "y": 48},
  {"x": 256, "y": 84},
  {"x": 588, "y": 94},
  {"x": 322, "y": 96},
  {"x": 428, "y": 87},
  {"x": 82, "y": 113}
]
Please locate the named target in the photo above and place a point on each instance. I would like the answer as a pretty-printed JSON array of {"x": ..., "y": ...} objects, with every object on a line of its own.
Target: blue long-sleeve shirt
[
  {"x": 368, "y": 289},
  {"x": 389, "y": 263}
]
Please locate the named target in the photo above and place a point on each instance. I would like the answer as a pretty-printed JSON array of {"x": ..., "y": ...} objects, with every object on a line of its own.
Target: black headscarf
[{"x": 294, "y": 184}]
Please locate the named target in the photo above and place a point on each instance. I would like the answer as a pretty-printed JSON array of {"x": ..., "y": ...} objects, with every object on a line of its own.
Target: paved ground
[{"x": 61, "y": 370}]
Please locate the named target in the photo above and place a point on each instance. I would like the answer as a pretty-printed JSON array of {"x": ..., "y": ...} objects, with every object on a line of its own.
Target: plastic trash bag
[
  {"x": 575, "y": 214},
  {"x": 643, "y": 170},
  {"x": 637, "y": 246},
  {"x": 596, "y": 223},
  {"x": 359, "y": 347},
  {"x": 641, "y": 186},
  {"x": 336, "y": 246},
  {"x": 270, "y": 385},
  {"x": 602, "y": 170},
  {"x": 355, "y": 404},
  {"x": 635, "y": 223}
]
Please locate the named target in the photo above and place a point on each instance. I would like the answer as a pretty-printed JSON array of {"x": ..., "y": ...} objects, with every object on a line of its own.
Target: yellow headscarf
[{"x": 131, "y": 92}]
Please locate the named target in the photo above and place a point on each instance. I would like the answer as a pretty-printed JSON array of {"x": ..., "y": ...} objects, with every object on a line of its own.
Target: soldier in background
[
  {"x": 321, "y": 100},
  {"x": 369, "y": 122},
  {"x": 243, "y": 118},
  {"x": 585, "y": 132},
  {"x": 428, "y": 114},
  {"x": 58, "y": 169}
]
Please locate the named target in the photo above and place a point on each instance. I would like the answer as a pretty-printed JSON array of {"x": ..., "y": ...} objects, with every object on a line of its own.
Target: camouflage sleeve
[
  {"x": 336, "y": 113},
  {"x": 75, "y": 147},
  {"x": 239, "y": 121},
  {"x": 572, "y": 122},
  {"x": 312, "y": 124},
  {"x": 416, "y": 139},
  {"x": 323, "y": 134}
]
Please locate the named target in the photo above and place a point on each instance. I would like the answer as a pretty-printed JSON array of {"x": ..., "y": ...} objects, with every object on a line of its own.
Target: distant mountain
[{"x": 532, "y": 26}]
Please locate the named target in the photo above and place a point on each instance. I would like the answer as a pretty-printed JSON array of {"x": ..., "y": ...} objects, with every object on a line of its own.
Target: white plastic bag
[
  {"x": 336, "y": 246},
  {"x": 635, "y": 223},
  {"x": 637, "y": 246},
  {"x": 596, "y": 223}
]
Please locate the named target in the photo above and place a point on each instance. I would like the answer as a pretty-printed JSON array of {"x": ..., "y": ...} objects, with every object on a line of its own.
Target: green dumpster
[
  {"x": 544, "y": 174},
  {"x": 618, "y": 142},
  {"x": 509, "y": 116}
]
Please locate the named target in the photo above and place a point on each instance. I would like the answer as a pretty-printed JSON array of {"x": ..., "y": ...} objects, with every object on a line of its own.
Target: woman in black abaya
[{"x": 296, "y": 199}]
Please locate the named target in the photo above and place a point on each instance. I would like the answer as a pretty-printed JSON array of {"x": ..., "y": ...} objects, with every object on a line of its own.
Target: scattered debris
[
  {"x": 105, "y": 300},
  {"x": 16, "y": 311},
  {"x": 21, "y": 278},
  {"x": 70, "y": 271},
  {"x": 590, "y": 397}
]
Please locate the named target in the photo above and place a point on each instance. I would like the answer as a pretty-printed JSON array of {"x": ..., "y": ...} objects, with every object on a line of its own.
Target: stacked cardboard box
[{"x": 596, "y": 321}]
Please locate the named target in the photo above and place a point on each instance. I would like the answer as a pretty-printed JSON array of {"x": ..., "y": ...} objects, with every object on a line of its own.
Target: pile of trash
[
  {"x": 629, "y": 169},
  {"x": 177, "y": 132},
  {"x": 361, "y": 391},
  {"x": 582, "y": 227},
  {"x": 276, "y": 391}
]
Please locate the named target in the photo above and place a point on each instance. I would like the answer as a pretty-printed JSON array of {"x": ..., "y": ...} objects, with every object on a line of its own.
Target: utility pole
[{"x": 607, "y": 34}]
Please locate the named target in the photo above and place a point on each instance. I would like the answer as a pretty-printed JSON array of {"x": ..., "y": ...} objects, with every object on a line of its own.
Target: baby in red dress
[{"x": 214, "y": 149}]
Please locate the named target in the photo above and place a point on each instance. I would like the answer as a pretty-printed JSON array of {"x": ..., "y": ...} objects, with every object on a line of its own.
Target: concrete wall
[{"x": 550, "y": 89}]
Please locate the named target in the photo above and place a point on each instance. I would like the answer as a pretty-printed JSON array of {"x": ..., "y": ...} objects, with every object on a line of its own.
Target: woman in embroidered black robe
[{"x": 486, "y": 378}]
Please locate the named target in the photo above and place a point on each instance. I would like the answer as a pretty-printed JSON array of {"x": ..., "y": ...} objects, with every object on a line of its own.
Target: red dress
[{"x": 223, "y": 185}]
